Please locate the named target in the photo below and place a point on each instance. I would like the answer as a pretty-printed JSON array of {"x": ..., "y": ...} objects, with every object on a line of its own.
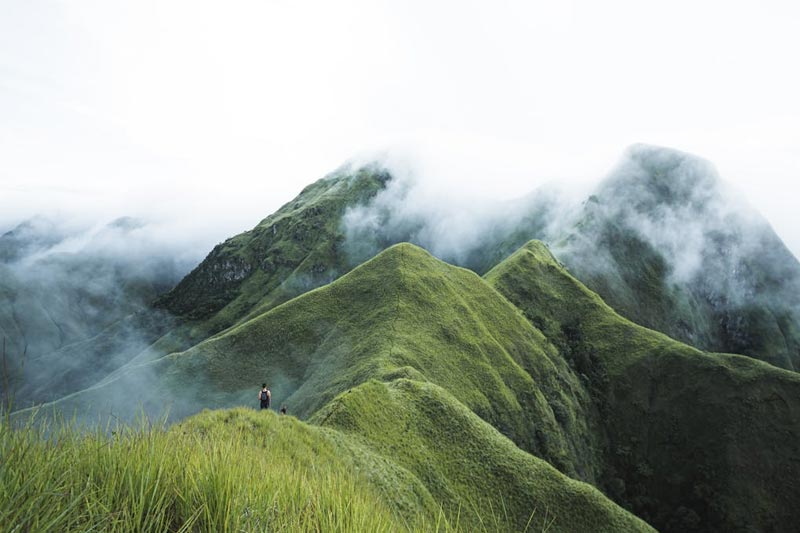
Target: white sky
[{"x": 216, "y": 113}]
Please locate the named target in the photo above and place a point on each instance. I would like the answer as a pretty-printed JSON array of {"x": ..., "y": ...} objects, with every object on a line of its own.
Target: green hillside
[
  {"x": 469, "y": 468},
  {"x": 219, "y": 471},
  {"x": 241, "y": 470},
  {"x": 371, "y": 331},
  {"x": 375, "y": 323},
  {"x": 684, "y": 439},
  {"x": 695, "y": 441}
]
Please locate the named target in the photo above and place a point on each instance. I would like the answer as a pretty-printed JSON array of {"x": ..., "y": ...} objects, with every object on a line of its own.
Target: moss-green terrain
[
  {"x": 474, "y": 385},
  {"x": 443, "y": 400},
  {"x": 695, "y": 441}
]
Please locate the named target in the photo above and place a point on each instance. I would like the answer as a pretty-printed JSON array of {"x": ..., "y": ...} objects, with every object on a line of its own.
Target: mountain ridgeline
[
  {"x": 662, "y": 240},
  {"x": 572, "y": 368}
]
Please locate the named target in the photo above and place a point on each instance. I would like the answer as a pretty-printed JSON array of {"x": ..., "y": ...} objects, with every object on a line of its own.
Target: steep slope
[
  {"x": 288, "y": 253},
  {"x": 468, "y": 467},
  {"x": 695, "y": 441},
  {"x": 666, "y": 244}
]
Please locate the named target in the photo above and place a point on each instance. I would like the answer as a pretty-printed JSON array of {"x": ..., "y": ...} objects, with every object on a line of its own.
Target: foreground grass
[
  {"x": 226, "y": 470},
  {"x": 256, "y": 473}
]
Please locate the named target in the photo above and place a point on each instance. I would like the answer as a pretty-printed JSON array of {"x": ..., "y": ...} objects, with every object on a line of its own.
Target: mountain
[
  {"x": 666, "y": 244},
  {"x": 686, "y": 440},
  {"x": 694, "y": 440},
  {"x": 519, "y": 390},
  {"x": 662, "y": 239},
  {"x": 288, "y": 253},
  {"x": 729, "y": 286},
  {"x": 373, "y": 324},
  {"x": 362, "y": 356},
  {"x": 61, "y": 286}
]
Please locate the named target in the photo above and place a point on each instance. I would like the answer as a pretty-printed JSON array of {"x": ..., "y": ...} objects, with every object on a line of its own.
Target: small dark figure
[
  {"x": 283, "y": 409},
  {"x": 265, "y": 396}
]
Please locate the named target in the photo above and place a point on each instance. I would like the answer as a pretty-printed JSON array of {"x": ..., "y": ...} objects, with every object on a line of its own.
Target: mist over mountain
[
  {"x": 668, "y": 244},
  {"x": 63, "y": 284},
  {"x": 662, "y": 238},
  {"x": 369, "y": 300}
]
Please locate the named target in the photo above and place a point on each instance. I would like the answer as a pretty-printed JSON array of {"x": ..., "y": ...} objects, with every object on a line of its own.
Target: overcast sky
[{"x": 216, "y": 113}]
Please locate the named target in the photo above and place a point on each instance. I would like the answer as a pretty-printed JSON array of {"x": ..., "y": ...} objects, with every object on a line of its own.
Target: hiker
[
  {"x": 283, "y": 409},
  {"x": 265, "y": 396}
]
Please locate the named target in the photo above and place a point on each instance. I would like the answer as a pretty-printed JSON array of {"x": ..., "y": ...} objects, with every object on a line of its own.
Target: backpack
[{"x": 264, "y": 395}]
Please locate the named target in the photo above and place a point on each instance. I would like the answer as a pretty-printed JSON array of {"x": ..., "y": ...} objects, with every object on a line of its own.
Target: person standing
[{"x": 265, "y": 396}]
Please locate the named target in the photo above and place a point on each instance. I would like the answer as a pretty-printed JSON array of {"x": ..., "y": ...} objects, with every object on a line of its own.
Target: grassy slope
[
  {"x": 696, "y": 441},
  {"x": 240, "y": 470},
  {"x": 374, "y": 325},
  {"x": 468, "y": 467},
  {"x": 219, "y": 471}
]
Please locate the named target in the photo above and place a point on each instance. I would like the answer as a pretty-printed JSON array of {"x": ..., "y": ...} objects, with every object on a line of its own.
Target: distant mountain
[
  {"x": 29, "y": 236},
  {"x": 666, "y": 244},
  {"x": 59, "y": 287}
]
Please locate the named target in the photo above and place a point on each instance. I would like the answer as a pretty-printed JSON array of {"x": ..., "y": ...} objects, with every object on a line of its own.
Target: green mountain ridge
[
  {"x": 364, "y": 336},
  {"x": 510, "y": 374},
  {"x": 465, "y": 464},
  {"x": 743, "y": 299},
  {"x": 696, "y": 441},
  {"x": 561, "y": 375}
]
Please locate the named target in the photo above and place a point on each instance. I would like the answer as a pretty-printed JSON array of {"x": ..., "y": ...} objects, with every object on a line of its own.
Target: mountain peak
[
  {"x": 651, "y": 175},
  {"x": 293, "y": 250},
  {"x": 405, "y": 251}
]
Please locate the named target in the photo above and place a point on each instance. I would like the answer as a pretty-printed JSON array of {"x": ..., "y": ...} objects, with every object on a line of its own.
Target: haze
[{"x": 208, "y": 116}]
